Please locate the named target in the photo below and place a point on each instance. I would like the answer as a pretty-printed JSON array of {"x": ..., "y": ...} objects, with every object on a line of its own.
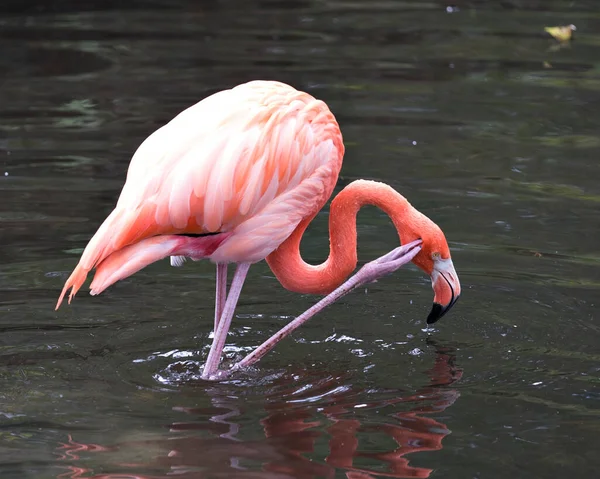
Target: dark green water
[{"x": 482, "y": 120}]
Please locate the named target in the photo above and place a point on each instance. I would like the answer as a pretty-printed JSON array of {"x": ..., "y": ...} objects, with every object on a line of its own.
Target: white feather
[{"x": 177, "y": 261}]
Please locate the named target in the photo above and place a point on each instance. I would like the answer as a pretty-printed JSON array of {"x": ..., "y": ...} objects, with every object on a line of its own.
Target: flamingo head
[{"x": 434, "y": 259}]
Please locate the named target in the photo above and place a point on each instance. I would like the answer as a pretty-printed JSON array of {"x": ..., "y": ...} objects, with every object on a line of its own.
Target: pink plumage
[
  {"x": 237, "y": 178},
  {"x": 250, "y": 162}
]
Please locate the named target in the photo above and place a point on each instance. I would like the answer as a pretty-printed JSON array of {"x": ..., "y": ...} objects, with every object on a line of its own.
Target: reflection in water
[{"x": 295, "y": 427}]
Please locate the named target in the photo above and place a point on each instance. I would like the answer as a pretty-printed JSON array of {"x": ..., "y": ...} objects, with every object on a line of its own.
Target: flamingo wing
[{"x": 253, "y": 160}]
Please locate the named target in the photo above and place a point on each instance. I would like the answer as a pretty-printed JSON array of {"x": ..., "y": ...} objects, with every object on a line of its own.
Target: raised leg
[
  {"x": 221, "y": 293},
  {"x": 214, "y": 356},
  {"x": 368, "y": 273}
]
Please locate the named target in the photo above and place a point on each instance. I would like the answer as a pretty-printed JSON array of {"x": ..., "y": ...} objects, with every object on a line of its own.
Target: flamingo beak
[{"x": 446, "y": 288}]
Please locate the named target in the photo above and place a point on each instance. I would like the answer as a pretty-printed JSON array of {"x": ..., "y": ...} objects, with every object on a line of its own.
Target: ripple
[{"x": 28, "y": 61}]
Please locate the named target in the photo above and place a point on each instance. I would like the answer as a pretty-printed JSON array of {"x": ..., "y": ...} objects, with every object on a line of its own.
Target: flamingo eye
[{"x": 435, "y": 256}]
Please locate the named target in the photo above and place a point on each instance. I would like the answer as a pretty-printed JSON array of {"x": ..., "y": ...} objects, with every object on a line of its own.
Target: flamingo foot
[{"x": 218, "y": 375}]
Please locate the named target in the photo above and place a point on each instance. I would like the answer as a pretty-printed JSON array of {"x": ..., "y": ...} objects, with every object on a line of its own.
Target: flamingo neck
[{"x": 297, "y": 275}]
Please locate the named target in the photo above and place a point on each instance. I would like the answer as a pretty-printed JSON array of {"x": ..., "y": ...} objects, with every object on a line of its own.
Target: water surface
[{"x": 472, "y": 111}]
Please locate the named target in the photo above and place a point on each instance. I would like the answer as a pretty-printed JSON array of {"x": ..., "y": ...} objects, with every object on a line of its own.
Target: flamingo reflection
[{"x": 295, "y": 432}]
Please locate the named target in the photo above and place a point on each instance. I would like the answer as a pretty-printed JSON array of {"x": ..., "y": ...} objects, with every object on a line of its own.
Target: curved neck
[{"x": 299, "y": 276}]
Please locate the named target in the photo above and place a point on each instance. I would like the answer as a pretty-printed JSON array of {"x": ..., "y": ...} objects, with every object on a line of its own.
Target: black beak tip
[{"x": 437, "y": 311}]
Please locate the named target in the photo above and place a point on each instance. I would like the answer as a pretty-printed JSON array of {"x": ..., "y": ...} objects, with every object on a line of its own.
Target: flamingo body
[
  {"x": 237, "y": 178},
  {"x": 247, "y": 163}
]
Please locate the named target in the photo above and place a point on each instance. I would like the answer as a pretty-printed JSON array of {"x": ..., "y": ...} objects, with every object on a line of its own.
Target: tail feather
[
  {"x": 120, "y": 228},
  {"x": 95, "y": 251},
  {"x": 128, "y": 241},
  {"x": 131, "y": 259},
  {"x": 75, "y": 281},
  {"x": 101, "y": 244},
  {"x": 120, "y": 264}
]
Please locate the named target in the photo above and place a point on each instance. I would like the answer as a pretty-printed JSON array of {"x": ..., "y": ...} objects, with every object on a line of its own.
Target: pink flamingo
[{"x": 237, "y": 178}]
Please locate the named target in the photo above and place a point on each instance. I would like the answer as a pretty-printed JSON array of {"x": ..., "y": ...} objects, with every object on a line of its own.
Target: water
[{"x": 469, "y": 109}]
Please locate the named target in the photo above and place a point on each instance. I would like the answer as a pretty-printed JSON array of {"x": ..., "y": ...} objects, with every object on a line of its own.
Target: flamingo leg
[
  {"x": 216, "y": 349},
  {"x": 221, "y": 293},
  {"x": 370, "y": 272}
]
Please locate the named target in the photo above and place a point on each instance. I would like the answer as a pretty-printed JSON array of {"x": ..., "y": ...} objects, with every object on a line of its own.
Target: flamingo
[{"x": 237, "y": 178}]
